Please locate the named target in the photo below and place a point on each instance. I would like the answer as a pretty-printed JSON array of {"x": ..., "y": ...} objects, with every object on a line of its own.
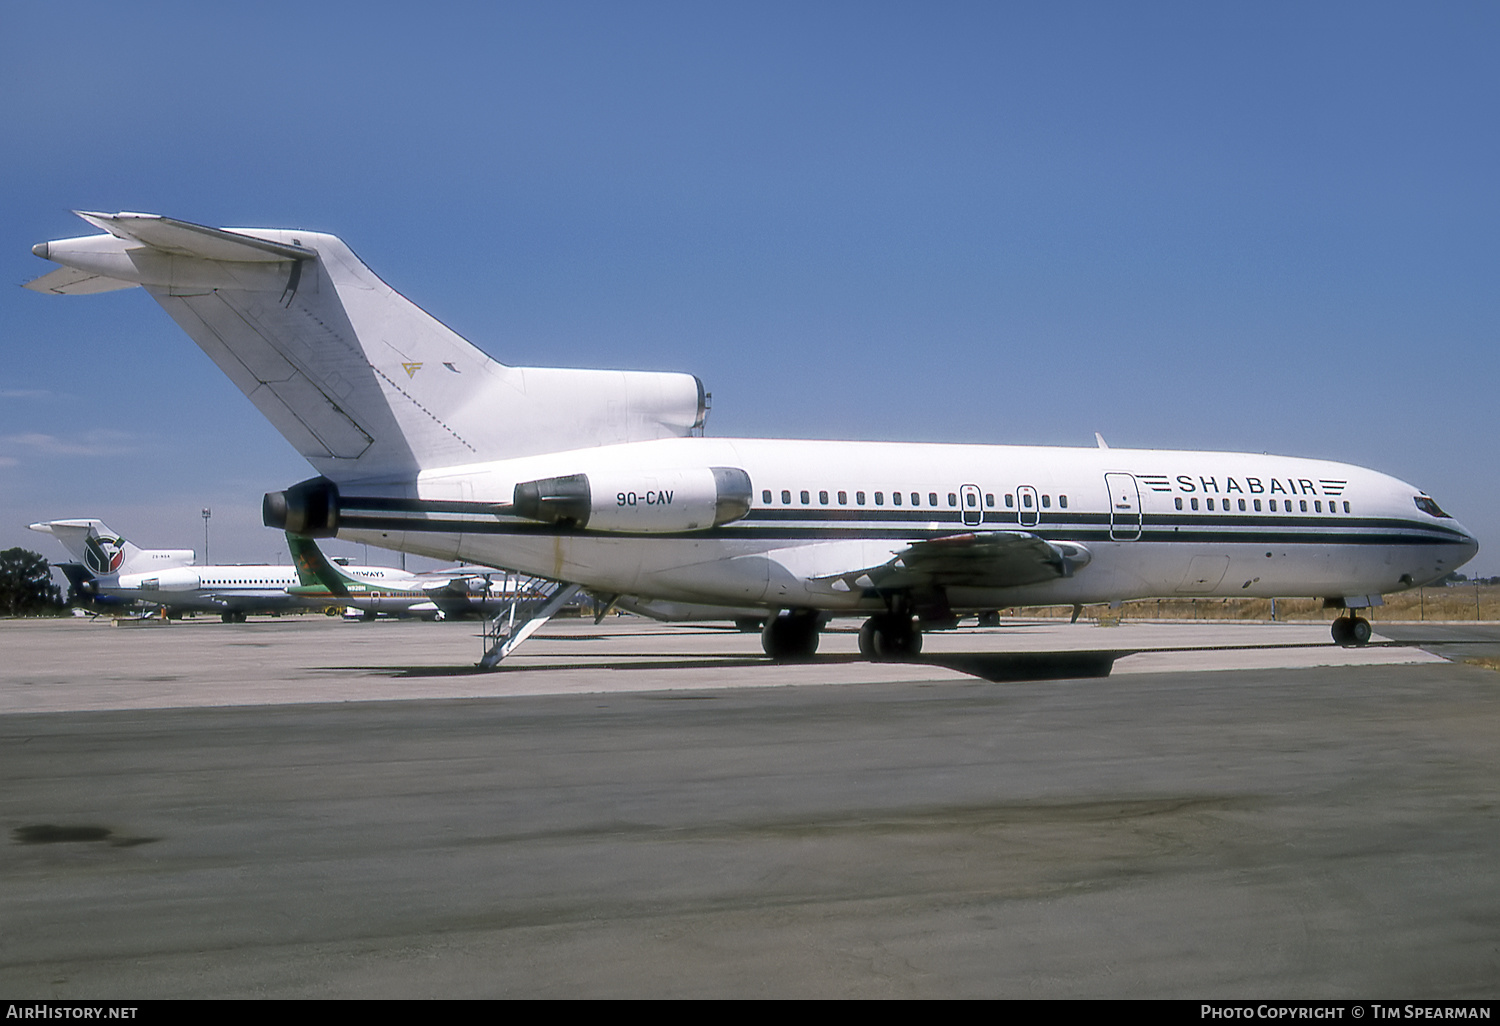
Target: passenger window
[
  {"x": 1346, "y": 507},
  {"x": 1178, "y": 500},
  {"x": 843, "y": 498},
  {"x": 916, "y": 498},
  {"x": 806, "y": 498},
  {"x": 880, "y": 498},
  {"x": 1242, "y": 505},
  {"x": 973, "y": 500},
  {"x": 765, "y": 496},
  {"x": 932, "y": 498},
  {"x": 1304, "y": 505},
  {"x": 1062, "y": 501},
  {"x": 989, "y": 499},
  {"x": 1257, "y": 505},
  {"x": 823, "y": 498},
  {"x": 895, "y": 498},
  {"x": 1046, "y": 502},
  {"x": 786, "y": 497},
  {"x": 1317, "y": 506},
  {"x": 1273, "y": 505},
  {"x": 859, "y": 498},
  {"x": 1026, "y": 500},
  {"x": 1010, "y": 501},
  {"x": 952, "y": 499},
  {"x": 1193, "y": 503}
]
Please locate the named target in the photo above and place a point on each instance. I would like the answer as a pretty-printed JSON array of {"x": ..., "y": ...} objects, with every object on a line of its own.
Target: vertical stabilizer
[
  {"x": 103, "y": 553},
  {"x": 364, "y": 383}
]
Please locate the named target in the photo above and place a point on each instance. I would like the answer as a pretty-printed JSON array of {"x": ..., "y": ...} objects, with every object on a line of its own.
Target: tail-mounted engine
[
  {"x": 310, "y": 509},
  {"x": 638, "y": 501}
]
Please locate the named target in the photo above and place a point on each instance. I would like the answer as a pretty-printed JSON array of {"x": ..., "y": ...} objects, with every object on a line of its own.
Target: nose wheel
[{"x": 1351, "y": 630}]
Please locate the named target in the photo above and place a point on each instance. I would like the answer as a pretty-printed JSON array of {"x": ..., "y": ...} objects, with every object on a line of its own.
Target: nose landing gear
[{"x": 1351, "y": 630}]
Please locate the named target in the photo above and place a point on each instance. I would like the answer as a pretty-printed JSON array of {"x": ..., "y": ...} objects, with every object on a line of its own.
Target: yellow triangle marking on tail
[{"x": 411, "y": 369}]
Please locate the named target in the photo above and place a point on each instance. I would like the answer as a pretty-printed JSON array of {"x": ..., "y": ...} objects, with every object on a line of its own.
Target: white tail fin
[
  {"x": 104, "y": 553},
  {"x": 365, "y": 384}
]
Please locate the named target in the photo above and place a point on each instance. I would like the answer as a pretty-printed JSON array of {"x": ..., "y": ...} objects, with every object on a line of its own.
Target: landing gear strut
[
  {"x": 890, "y": 636},
  {"x": 792, "y": 635},
  {"x": 1351, "y": 630}
]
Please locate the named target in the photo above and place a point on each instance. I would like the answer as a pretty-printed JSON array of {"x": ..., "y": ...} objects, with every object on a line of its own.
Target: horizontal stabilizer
[
  {"x": 71, "y": 281},
  {"x": 182, "y": 238}
]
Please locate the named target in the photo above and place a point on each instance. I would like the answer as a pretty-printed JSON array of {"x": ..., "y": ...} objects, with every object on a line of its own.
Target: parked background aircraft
[
  {"x": 457, "y": 594},
  {"x": 101, "y": 553},
  {"x": 121, "y": 573},
  {"x": 425, "y": 444}
]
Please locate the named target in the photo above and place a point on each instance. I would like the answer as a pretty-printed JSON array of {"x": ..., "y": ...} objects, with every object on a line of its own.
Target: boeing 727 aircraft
[
  {"x": 425, "y": 444},
  {"x": 101, "y": 553}
]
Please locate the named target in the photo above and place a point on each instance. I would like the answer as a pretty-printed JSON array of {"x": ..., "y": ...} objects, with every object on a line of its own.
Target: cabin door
[
  {"x": 1029, "y": 513},
  {"x": 1124, "y": 507},
  {"x": 969, "y": 504}
]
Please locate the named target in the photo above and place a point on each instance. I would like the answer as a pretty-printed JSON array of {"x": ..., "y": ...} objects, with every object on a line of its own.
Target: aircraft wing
[{"x": 991, "y": 559}]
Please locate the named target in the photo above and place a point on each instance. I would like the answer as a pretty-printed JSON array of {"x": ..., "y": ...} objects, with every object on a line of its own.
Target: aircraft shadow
[{"x": 997, "y": 668}]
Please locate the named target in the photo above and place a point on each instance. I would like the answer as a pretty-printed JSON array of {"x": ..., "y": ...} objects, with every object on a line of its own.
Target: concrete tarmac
[{"x": 300, "y": 808}]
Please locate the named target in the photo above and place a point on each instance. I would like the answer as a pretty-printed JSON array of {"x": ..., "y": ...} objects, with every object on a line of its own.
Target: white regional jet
[{"x": 424, "y": 443}]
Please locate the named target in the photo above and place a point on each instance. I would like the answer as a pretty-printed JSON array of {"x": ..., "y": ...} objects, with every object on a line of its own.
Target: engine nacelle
[
  {"x": 310, "y": 508},
  {"x": 638, "y": 501},
  {"x": 181, "y": 579}
]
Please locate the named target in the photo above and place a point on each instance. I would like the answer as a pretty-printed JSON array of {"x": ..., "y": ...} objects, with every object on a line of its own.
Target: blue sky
[{"x": 1263, "y": 227}]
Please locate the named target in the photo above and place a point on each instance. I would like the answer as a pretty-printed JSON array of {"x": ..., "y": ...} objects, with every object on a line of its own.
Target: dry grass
[
  {"x": 1488, "y": 662},
  {"x": 1460, "y": 603}
]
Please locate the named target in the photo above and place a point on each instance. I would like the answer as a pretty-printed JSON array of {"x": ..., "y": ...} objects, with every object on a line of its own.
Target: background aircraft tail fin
[
  {"x": 103, "y": 553},
  {"x": 315, "y": 569},
  {"x": 363, "y": 382}
]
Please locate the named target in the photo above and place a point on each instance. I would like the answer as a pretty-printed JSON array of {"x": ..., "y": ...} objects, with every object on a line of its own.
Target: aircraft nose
[{"x": 1468, "y": 548}]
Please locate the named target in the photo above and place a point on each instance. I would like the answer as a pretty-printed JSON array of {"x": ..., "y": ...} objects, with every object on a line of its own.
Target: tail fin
[
  {"x": 315, "y": 570},
  {"x": 104, "y": 553},
  {"x": 365, "y": 384}
]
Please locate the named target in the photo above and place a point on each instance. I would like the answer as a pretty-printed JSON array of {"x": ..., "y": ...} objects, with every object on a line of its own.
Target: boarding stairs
[{"x": 533, "y": 602}]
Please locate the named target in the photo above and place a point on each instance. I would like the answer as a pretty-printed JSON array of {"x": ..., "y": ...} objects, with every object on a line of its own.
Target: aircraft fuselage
[{"x": 1154, "y": 522}]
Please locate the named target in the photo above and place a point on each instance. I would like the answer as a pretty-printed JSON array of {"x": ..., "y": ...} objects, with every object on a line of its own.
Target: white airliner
[
  {"x": 166, "y": 578},
  {"x": 423, "y": 443},
  {"x": 100, "y": 553}
]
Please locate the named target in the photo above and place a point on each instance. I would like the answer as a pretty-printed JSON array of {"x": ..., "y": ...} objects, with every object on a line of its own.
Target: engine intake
[{"x": 310, "y": 508}]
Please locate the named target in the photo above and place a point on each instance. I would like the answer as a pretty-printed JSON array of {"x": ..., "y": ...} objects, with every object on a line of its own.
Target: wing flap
[{"x": 992, "y": 559}]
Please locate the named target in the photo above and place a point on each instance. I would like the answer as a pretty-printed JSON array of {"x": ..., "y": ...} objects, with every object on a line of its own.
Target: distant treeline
[{"x": 1457, "y": 578}]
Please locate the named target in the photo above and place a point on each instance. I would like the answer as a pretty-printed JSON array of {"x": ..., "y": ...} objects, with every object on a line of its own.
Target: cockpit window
[{"x": 1432, "y": 509}]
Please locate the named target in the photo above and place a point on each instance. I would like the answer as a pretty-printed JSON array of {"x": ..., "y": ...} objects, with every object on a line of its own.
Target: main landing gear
[
  {"x": 895, "y": 634},
  {"x": 890, "y": 636},
  {"x": 1351, "y": 630}
]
